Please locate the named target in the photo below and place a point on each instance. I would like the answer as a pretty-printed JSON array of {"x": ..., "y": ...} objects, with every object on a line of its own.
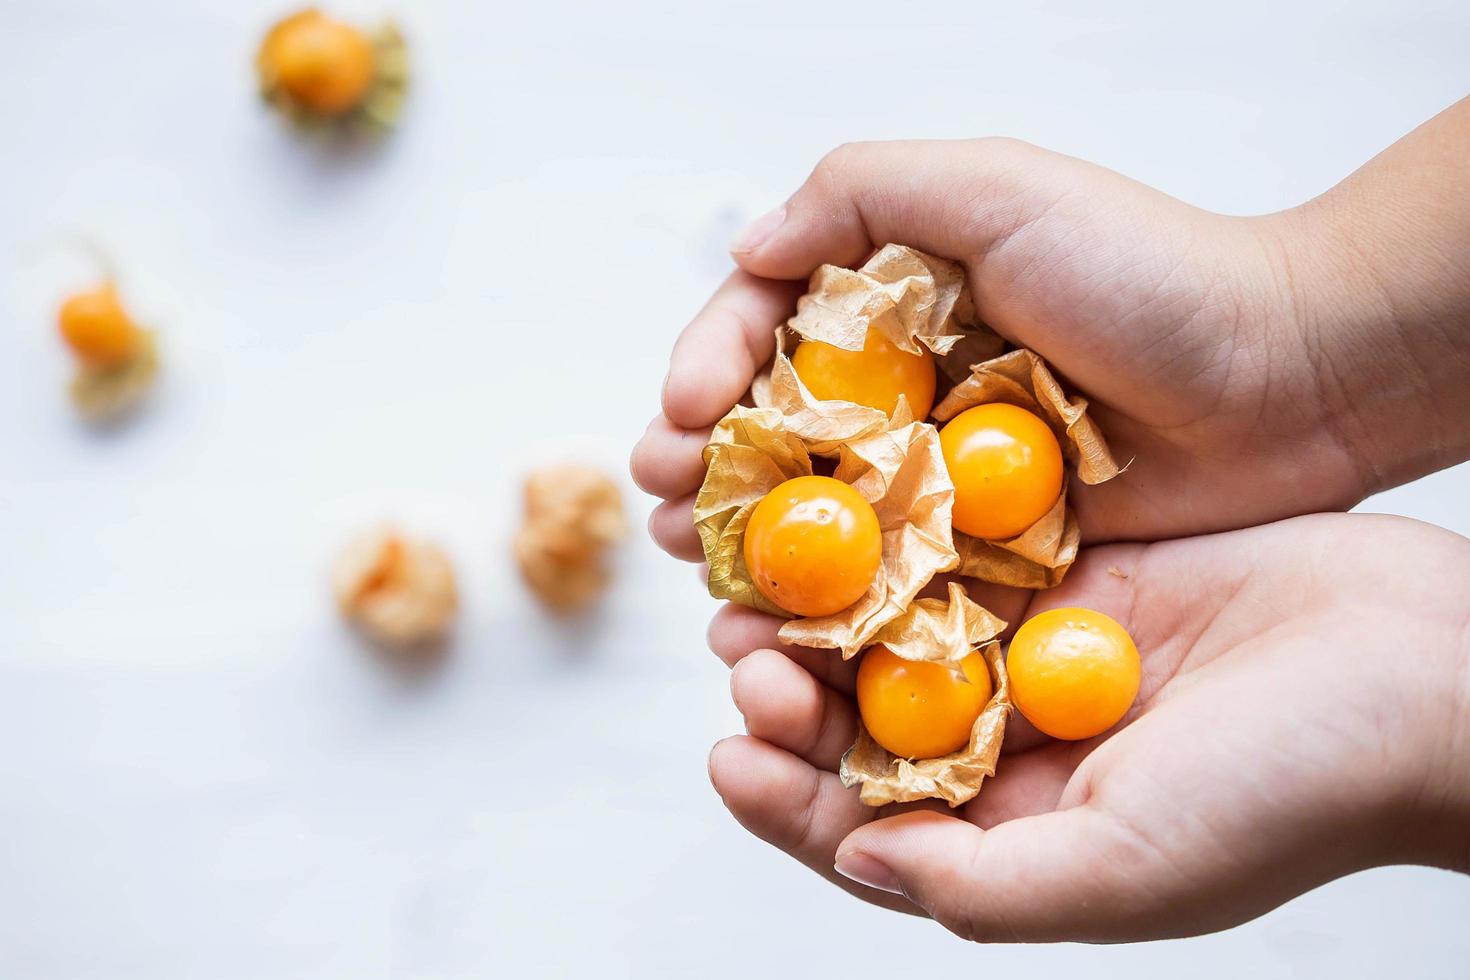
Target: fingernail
[
  {"x": 709, "y": 764},
  {"x": 755, "y": 234},
  {"x": 868, "y": 871}
]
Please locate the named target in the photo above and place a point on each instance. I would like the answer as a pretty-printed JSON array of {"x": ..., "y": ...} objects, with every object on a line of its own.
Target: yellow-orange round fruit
[
  {"x": 874, "y": 376},
  {"x": 97, "y": 328},
  {"x": 322, "y": 64},
  {"x": 813, "y": 546},
  {"x": 920, "y": 710},
  {"x": 1074, "y": 672},
  {"x": 1006, "y": 466}
]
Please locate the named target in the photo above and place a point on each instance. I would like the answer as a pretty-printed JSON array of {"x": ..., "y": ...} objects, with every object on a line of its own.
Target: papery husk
[
  {"x": 383, "y": 103},
  {"x": 899, "y": 471},
  {"x": 940, "y": 630},
  {"x": 910, "y": 297},
  {"x": 750, "y": 453},
  {"x": 105, "y": 394},
  {"x": 918, "y": 301},
  {"x": 380, "y": 106},
  {"x": 1023, "y": 379},
  {"x": 573, "y": 517},
  {"x": 955, "y": 778},
  {"x": 398, "y": 590},
  {"x": 902, "y": 474},
  {"x": 822, "y": 426},
  {"x": 1037, "y": 558}
]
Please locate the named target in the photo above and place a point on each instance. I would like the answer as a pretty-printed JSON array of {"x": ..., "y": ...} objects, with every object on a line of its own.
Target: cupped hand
[
  {"x": 1184, "y": 328},
  {"x": 1303, "y": 715}
]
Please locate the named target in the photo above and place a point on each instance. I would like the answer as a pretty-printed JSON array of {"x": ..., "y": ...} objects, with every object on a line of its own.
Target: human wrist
[
  {"x": 1447, "y": 803},
  {"x": 1374, "y": 272},
  {"x": 1423, "y": 815},
  {"x": 1383, "y": 333}
]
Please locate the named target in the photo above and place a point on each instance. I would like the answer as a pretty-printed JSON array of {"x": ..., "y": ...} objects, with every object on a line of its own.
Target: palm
[{"x": 1258, "y": 693}]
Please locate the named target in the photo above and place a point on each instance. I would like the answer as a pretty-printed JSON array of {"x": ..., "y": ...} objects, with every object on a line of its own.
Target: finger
[
  {"x": 787, "y": 707},
  {"x": 786, "y": 802},
  {"x": 737, "y": 630},
  {"x": 954, "y": 198},
  {"x": 719, "y": 353},
  {"x": 668, "y": 462},
  {"x": 1072, "y": 875},
  {"x": 671, "y": 525}
]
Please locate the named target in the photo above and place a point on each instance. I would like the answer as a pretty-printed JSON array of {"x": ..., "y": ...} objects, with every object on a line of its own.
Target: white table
[{"x": 202, "y": 775}]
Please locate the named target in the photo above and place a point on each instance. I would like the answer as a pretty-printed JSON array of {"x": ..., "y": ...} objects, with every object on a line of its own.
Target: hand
[
  {"x": 1253, "y": 368},
  {"x": 1305, "y": 713}
]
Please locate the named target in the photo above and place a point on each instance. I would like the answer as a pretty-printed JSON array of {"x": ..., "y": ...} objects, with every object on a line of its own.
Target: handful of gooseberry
[{"x": 948, "y": 453}]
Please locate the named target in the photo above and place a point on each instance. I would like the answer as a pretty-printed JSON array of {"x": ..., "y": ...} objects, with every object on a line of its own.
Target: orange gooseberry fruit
[
  {"x": 920, "y": 710},
  {"x": 813, "y": 546},
  {"x": 874, "y": 376},
  {"x": 322, "y": 64},
  {"x": 1006, "y": 466},
  {"x": 1074, "y": 672},
  {"x": 97, "y": 328}
]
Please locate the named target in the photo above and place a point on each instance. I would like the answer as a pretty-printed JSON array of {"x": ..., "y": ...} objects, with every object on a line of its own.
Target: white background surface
[{"x": 200, "y": 773}]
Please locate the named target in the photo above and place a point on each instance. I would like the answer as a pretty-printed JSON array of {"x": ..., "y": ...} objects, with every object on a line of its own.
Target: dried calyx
[
  {"x": 899, "y": 471},
  {"x": 574, "y": 514},
  {"x": 1039, "y": 556},
  {"x": 397, "y": 589},
  {"x": 916, "y": 302},
  {"x": 940, "y": 631}
]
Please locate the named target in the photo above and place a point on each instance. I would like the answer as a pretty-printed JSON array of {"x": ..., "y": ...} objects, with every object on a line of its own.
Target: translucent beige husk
[
  {"x": 1037, "y": 558},
  {"x": 399, "y": 590},
  {"x": 909, "y": 297},
  {"x": 573, "y": 517},
  {"x": 940, "y": 631},
  {"x": 898, "y": 470},
  {"x": 105, "y": 394},
  {"x": 917, "y": 301},
  {"x": 380, "y": 106}
]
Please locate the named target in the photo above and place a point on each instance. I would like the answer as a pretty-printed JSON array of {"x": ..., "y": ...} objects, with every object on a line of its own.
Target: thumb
[
  {"x": 954, "y": 198},
  {"x": 1072, "y": 875}
]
